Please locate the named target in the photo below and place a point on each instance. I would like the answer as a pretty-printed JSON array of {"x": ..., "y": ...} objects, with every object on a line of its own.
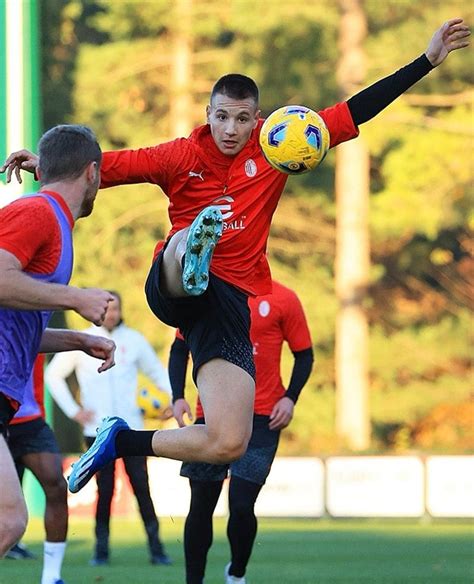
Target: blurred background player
[
  {"x": 36, "y": 254},
  {"x": 33, "y": 446},
  {"x": 113, "y": 394},
  {"x": 275, "y": 318}
]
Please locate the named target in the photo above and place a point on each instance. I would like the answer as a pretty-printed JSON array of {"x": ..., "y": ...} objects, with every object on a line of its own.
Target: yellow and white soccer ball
[
  {"x": 152, "y": 402},
  {"x": 294, "y": 139}
]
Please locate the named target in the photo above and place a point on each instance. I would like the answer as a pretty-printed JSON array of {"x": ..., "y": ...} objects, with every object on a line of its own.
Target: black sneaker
[
  {"x": 162, "y": 559},
  {"x": 20, "y": 552}
]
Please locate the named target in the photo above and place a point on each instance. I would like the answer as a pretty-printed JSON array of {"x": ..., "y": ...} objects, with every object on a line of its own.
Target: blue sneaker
[
  {"x": 99, "y": 454},
  {"x": 204, "y": 233}
]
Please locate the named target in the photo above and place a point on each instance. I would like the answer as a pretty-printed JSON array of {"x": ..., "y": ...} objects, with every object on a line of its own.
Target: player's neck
[{"x": 71, "y": 191}]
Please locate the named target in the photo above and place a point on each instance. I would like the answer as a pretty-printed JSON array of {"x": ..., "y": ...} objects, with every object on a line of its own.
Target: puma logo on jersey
[{"x": 196, "y": 174}]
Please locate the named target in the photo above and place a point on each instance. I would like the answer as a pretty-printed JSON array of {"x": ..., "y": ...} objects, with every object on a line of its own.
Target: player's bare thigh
[
  {"x": 47, "y": 468},
  {"x": 227, "y": 394}
]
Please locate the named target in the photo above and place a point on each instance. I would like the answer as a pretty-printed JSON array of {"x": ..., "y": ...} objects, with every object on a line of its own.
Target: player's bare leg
[
  {"x": 46, "y": 466},
  {"x": 227, "y": 396},
  {"x": 13, "y": 512},
  {"x": 171, "y": 283},
  {"x": 226, "y": 390}
]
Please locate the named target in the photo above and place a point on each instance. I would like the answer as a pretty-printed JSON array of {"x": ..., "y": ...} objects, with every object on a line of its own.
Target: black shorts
[
  {"x": 214, "y": 325},
  {"x": 31, "y": 437},
  {"x": 7, "y": 411},
  {"x": 254, "y": 466}
]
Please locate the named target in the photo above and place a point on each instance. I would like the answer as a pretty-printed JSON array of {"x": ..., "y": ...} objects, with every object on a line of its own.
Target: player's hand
[
  {"x": 17, "y": 161},
  {"x": 282, "y": 414},
  {"x": 100, "y": 348},
  {"x": 166, "y": 414},
  {"x": 181, "y": 407},
  {"x": 83, "y": 417},
  {"x": 452, "y": 35},
  {"x": 92, "y": 304}
]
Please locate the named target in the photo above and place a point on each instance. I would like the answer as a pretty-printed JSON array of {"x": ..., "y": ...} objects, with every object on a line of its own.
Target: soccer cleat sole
[{"x": 204, "y": 233}]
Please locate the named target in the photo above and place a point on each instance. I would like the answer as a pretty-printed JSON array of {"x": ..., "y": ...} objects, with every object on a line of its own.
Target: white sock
[{"x": 52, "y": 561}]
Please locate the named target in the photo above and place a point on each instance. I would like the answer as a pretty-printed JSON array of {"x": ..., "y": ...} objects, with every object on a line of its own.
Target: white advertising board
[
  {"x": 450, "y": 486},
  {"x": 375, "y": 486},
  {"x": 295, "y": 488},
  {"x": 170, "y": 491}
]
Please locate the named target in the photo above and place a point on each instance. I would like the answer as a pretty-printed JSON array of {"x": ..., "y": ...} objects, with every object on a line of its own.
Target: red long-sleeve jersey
[{"x": 193, "y": 174}]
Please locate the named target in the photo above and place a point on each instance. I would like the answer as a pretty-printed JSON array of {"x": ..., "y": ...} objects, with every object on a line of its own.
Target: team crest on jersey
[
  {"x": 250, "y": 168},
  {"x": 264, "y": 308}
]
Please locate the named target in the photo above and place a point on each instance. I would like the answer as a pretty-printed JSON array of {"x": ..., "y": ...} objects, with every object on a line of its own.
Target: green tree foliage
[{"x": 108, "y": 64}]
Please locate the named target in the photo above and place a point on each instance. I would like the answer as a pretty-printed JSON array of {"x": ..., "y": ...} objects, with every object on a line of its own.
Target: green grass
[{"x": 286, "y": 551}]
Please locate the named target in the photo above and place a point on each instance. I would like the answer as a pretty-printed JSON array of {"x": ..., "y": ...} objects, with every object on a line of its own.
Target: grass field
[{"x": 286, "y": 551}]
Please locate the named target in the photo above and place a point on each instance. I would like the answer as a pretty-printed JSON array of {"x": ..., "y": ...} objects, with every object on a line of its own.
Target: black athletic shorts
[
  {"x": 214, "y": 325},
  {"x": 31, "y": 437},
  {"x": 7, "y": 411},
  {"x": 254, "y": 466}
]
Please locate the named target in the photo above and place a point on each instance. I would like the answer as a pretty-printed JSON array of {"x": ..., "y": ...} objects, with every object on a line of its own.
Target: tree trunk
[
  {"x": 352, "y": 253},
  {"x": 181, "y": 102}
]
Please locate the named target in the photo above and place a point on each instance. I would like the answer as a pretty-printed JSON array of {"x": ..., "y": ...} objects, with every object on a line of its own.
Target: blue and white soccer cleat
[
  {"x": 204, "y": 233},
  {"x": 99, "y": 454}
]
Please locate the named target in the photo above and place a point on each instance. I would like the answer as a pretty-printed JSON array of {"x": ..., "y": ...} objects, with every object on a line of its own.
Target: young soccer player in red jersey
[
  {"x": 276, "y": 318},
  {"x": 219, "y": 175}
]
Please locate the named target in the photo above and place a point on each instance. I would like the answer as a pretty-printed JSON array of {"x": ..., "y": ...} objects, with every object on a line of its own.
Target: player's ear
[
  {"x": 92, "y": 171},
  {"x": 256, "y": 118},
  {"x": 208, "y": 112}
]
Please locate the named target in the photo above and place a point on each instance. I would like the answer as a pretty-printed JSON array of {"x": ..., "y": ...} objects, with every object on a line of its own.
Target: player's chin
[{"x": 230, "y": 148}]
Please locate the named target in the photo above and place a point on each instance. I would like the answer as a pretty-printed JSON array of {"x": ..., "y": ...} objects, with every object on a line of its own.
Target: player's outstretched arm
[
  {"x": 452, "y": 35},
  {"x": 21, "y": 292},
  {"x": 59, "y": 340},
  {"x": 371, "y": 101},
  {"x": 18, "y": 161}
]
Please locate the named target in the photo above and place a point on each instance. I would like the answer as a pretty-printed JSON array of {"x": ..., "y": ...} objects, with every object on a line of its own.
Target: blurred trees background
[{"x": 139, "y": 72}]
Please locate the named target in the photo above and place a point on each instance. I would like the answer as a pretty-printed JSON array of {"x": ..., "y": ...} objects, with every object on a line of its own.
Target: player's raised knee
[{"x": 228, "y": 449}]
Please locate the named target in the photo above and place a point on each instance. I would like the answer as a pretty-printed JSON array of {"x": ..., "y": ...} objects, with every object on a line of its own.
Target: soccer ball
[
  {"x": 294, "y": 139},
  {"x": 152, "y": 402}
]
